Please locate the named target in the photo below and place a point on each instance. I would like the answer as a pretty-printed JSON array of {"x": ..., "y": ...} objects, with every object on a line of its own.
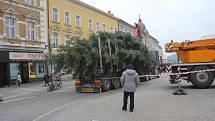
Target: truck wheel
[
  {"x": 106, "y": 84},
  {"x": 201, "y": 79},
  {"x": 116, "y": 83}
]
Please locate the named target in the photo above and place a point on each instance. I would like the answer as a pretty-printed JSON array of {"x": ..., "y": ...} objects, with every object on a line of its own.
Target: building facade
[
  {"x": 21, "y": 44},
  {"x": 152, "y": 44},
  {"x": 125, "y": 27},
  {"x": 73, "y": 18}
]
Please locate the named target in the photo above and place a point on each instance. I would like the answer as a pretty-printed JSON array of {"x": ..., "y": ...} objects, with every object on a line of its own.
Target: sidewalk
[
  {"x": 28, "y": 89},
  {"x": 14, "y": 91}
]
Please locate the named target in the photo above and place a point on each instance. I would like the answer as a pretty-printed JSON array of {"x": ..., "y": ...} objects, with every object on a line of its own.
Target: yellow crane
[{"x": 196, "y": 55}]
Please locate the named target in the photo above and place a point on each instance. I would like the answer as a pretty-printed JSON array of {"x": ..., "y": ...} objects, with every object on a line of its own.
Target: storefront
[{"x": 31, "y": 66}]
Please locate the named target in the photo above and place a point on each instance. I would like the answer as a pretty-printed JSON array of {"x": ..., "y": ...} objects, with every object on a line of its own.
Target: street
[{"x": 153, "y": 102}]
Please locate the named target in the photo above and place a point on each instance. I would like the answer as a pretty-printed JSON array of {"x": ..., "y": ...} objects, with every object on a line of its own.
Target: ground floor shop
[{"x": 31, "y": 66}]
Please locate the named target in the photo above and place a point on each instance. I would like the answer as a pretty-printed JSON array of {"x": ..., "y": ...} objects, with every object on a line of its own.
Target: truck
[
  {"x": 197, "y": 61},
  {"x": 98, "y": 62}
]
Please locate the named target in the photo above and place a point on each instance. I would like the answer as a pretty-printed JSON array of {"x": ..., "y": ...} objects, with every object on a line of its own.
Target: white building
[{"x": 125, "y": 27}]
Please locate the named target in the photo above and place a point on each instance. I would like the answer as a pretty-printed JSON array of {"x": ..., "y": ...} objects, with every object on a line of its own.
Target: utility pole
[{"x": 49, "y": 44}]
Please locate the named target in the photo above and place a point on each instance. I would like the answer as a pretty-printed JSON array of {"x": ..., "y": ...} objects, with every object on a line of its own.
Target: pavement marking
[
  {"x": 29, "y": 97},
  {"x": 51, "y": 111},
  {"x": 14, "y": 96},
  {"x": 17, "y": 99}
]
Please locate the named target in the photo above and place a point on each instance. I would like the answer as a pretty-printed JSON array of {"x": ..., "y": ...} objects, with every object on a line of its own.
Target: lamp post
[{"x": 48, "y": 54}]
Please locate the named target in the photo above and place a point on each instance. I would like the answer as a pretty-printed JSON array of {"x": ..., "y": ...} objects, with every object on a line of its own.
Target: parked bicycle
[{"x": 57, "y": 84}]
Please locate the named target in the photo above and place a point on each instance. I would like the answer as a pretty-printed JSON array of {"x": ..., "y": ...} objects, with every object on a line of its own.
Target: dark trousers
[
  {"x": 46, "y": 82},
  {"x": 125, "y": 100}
]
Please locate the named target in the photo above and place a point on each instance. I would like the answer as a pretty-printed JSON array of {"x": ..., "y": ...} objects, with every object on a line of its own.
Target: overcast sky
[{"x": 165, "y": 19}]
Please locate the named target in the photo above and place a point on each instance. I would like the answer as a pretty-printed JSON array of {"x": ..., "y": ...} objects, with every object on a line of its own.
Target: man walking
[
  {"x": 129, "y": 81},
  {"x": 45, "y": 78}
]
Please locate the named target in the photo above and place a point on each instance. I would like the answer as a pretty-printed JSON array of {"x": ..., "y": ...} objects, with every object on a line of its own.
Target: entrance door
[
  {"x": 24, "y": 72},
  {"x": 3, "y": 74}
]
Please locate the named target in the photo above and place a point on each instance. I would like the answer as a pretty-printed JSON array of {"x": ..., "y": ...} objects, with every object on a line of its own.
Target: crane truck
[{"x": 196, "y": 55}]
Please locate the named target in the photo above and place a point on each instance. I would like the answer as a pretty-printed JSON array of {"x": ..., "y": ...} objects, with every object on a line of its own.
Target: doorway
[
  {"x": 3, "y": 74},
  {"x": 24, "y": 72}
]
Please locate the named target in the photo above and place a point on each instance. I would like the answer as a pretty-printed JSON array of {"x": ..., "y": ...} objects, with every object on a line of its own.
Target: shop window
[
  {"x": 32, "y": 70},
  {"x": 41, "y": 68},
  {"x": 14, "y": 69}
]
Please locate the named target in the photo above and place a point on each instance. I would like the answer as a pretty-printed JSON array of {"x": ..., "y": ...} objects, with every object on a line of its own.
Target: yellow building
[{"x": 73, "y": 18}]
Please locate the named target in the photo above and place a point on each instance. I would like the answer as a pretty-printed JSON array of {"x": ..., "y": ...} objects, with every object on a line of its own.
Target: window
[
  {"x": 10, "y": 27},
  {"x": 111, "y": 29},
  {"x": 31, "y": 30},
  {"x": 78, "y": 21},
  {"x": 67, "y": 38},
  {"x": 66, "y": 18},
  {"x": 56, "y": 39},
  {"x": 121, "y": 28},
  {"x": 41, "y": 68},
  {"x": 90, "y": 24},
  {"x": 103, "y": 27},
  {"x": 30, "y": 2},
  {"x": 115, "y": 29},
  {"x": 97, "y": 26},
  {"x": 55, "y": 14}
]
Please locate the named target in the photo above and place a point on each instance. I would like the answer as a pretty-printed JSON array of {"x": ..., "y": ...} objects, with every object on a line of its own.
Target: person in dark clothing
[
  {"x": 45, "y": 78},
  {"x": 129, "y": 81}
]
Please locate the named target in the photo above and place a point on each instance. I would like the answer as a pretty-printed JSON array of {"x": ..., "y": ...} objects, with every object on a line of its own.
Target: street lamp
[{"x": 48, "y": 53}]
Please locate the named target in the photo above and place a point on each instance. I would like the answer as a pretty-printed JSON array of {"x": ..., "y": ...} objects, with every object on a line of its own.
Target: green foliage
[{"x": 82, "y": 56}]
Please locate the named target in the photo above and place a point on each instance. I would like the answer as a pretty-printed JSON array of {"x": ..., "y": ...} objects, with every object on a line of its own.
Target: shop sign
[{"x": 26, "y": 56}]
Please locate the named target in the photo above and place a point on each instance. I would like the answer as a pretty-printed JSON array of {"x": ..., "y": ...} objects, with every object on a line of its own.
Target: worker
[{"x": 129, "y": 81}]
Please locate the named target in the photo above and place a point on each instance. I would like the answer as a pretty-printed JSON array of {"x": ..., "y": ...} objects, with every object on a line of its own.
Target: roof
[
  {"x": 126, "y": 23},
  {"x": 154, "y": 38},
  {"x": 95, "y": 9}
]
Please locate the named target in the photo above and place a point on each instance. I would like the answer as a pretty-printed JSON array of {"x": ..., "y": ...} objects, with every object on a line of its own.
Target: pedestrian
[
  {"x": 45, "y": 78},
  {"x": 18, "y": 79},
  {"x": 129, "y": 81}
]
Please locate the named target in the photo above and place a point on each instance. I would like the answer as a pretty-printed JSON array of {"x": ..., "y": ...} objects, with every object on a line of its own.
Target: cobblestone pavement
[{"x": 153, "y": 102}]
